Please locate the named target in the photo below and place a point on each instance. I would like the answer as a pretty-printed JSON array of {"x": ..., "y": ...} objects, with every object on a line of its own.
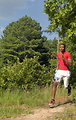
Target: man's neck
[{"x": 63, "y": 51}]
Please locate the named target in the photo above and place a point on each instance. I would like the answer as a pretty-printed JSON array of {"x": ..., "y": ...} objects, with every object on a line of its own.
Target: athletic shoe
[
  {"x": 69, "y": 91},
  {"x": 51, "y": 104}
]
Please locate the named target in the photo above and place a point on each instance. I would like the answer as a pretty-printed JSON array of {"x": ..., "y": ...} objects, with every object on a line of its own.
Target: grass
[
  {"x": 17, "y": 102},
  {"x": 11, "y": 104},
  {"x": 69, "y": 114}
]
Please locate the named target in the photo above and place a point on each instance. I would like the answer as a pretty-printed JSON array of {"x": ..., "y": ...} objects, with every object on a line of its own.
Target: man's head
[{"x": 62, "y": 47}]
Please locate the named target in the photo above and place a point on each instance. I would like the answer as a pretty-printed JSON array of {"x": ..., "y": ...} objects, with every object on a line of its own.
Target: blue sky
[{"x": 12, "y": 10}]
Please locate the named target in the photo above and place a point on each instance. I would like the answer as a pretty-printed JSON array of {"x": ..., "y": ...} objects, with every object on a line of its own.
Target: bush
[{"x": 24, "y": 75}]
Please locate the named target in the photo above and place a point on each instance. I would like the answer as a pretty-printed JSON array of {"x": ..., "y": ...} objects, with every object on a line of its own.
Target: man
[{"x": 62, "y": 72}]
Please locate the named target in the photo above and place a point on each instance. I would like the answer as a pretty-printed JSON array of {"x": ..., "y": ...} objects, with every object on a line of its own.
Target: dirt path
[{"x": 42, "y": 113}]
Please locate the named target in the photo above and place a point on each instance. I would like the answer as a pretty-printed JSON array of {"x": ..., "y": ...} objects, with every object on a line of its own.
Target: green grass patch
[
  {"x": 16, "y": 102},
  {"x": 68, "y": 114},
  {"x": 10, "y": 111}
]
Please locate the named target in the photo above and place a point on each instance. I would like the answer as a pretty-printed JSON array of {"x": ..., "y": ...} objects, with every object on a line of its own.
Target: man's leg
[
  {"x": 53, "y": 94},
  {"x": 54, "y": 89},
  {"x": 69, "y": 90},
  {"x": 66, "y": 85}
]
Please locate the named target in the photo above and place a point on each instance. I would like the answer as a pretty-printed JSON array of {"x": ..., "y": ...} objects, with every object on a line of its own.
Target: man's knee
[{"x": 66, "y": 87}]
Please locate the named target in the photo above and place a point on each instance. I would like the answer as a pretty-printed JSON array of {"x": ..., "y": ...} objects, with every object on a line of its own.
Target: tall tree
[
  {"x": 62, "y": 16},
  {"x": 22, "y": 38}
]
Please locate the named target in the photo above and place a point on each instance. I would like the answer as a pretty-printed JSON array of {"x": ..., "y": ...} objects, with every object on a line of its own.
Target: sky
[{"x": 13, "y": 10}]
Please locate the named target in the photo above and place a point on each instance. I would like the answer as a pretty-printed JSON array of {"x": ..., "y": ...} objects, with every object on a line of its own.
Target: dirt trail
[{"x": 42, "y": 113}]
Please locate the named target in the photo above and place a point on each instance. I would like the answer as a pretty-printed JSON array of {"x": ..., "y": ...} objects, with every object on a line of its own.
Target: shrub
[{"x": 24, "y": 75}]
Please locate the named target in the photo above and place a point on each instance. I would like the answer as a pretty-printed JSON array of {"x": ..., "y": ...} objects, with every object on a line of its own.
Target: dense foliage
[
  {"x": 25, "y": 75},
  {"x": 26, "y": 58},
  {"x": 62, "y": 17},
  {"x": 21, "y": 39}
]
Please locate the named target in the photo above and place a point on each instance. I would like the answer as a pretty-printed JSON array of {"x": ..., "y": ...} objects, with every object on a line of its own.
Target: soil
[{"x": 43, "y": 113}]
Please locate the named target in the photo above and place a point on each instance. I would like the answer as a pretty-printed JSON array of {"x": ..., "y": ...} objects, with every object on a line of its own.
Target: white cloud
[
  {"x": 1, "y": 30},
  {"x": 9, "y": 7}
]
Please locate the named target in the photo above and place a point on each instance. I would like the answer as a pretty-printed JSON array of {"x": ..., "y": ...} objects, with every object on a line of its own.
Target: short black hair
[{"x": 63, "y": 44}]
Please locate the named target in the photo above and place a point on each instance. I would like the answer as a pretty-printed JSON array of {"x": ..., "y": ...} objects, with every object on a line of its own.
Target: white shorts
[{"x": 63, "y": 74}]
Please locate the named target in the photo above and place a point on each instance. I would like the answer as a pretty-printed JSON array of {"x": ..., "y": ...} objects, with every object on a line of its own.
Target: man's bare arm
[
  {"x": 57, "y": 64},
  {"x": 69, "y": 61}
]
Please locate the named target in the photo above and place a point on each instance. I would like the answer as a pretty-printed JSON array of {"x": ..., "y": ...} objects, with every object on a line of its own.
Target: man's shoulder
[{"x": 67, "y": 53}]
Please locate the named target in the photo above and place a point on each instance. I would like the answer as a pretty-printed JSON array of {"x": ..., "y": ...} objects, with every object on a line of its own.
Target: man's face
[{"x": 62, "y": 48}]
